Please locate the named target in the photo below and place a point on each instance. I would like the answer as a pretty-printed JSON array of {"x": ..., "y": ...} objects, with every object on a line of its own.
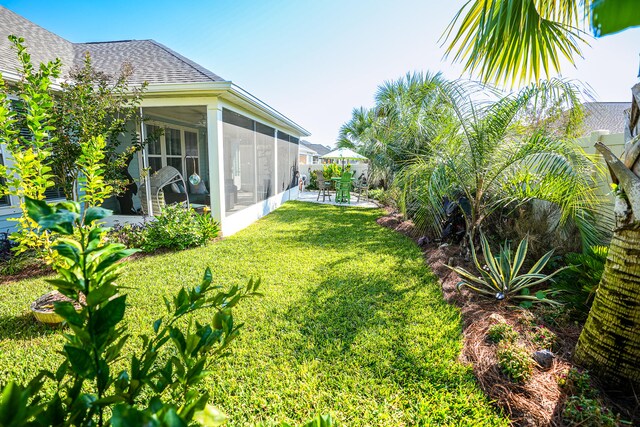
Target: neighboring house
[
  {"x": 245, "y": 151},
  {"x": 604, "y": 122},
  {"x": 307, "y": 155},
  {"x": 313, "y": 152}
]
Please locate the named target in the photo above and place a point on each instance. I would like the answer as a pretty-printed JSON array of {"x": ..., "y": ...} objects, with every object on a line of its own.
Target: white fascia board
[
  {"x": 13, "y": 77},
  {"x": 241, "y": 94}
]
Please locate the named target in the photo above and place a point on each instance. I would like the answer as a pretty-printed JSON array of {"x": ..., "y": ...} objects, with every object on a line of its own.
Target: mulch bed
[{"x": 537, "y": 402}]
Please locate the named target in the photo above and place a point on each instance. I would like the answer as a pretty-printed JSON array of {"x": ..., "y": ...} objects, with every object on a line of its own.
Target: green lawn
[{"x": 352, "y": 323}]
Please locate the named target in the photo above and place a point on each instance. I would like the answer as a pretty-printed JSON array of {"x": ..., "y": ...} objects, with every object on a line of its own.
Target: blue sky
[{"x": 314, "y": 61}]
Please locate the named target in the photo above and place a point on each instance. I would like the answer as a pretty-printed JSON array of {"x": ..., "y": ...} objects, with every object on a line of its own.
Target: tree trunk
[{"x": 610, "y": 341}]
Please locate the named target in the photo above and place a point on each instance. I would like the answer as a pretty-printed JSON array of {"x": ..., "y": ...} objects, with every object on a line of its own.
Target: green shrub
[
  {"x": 130, "y": 235},
  {"x": 577, "y": 382},
  {"x": 501, "y": 278},
  {"x": 585, "y": 412},
  {"x": 514, "y": 361},
  {"x": 330, "y": 170},
  {"x": 502, "y": 332},
  {"x": 577, "y": 285},
  {"x": 544, "y": 338},
  {"x": 179, "y": 228}
]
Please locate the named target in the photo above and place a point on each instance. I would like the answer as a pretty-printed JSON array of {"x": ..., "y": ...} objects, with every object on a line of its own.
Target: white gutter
[{"x": 220, "y": 89}]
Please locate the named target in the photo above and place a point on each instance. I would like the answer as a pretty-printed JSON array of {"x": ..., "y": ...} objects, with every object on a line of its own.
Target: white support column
[
  {"x": 145, "y": 165},
  {"x": 276, "y": 178},
  {"x": 216, "y": 159}
]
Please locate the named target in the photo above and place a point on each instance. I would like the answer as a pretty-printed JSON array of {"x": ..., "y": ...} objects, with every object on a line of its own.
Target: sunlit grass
[{"x": 352, "y": 324}]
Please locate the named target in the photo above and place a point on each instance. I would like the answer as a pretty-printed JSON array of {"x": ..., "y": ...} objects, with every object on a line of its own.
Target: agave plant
[{"x": 501, "y": 278}]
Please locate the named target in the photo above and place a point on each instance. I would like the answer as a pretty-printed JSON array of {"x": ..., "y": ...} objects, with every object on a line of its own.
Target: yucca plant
[{"x": 500, "y": 277}]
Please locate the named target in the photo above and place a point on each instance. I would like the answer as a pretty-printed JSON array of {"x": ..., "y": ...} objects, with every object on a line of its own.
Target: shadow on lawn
[{"x": 23, "y": 327}]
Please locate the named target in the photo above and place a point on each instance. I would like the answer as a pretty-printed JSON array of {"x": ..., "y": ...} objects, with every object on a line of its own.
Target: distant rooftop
[
  {"x": 318, "y": 148},
  {"x": 605, "y": 116},
  {"x": 151, "y": 61}
]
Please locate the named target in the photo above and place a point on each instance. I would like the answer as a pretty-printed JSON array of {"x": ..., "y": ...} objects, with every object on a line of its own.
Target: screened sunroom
[{"x": 236, "y": 162}]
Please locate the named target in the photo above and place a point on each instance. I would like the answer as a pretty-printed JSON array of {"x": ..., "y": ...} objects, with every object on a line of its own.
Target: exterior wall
[
  {"x": 615, "y": 142},
  {"x": 232, "y": 222},
  {"x": 236, "y": 222}
]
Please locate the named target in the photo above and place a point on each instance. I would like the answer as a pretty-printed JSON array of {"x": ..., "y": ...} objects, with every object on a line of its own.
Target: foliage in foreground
[
  {"x": 154, "y": 390},
  {"x": 536, "y": 35},
  {"x": 352, "y": 323},
  {"x": 502, "y": 279},
  {"x": 30, "y": 174}
]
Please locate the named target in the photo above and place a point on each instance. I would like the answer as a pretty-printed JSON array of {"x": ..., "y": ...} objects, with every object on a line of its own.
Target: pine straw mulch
[{"x": 539, "y": 401}]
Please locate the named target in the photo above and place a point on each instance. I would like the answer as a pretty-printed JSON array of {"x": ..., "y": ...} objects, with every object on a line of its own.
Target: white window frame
[
  {"x": 14, "y": 201},
  {"x": 163, "y": 156}
]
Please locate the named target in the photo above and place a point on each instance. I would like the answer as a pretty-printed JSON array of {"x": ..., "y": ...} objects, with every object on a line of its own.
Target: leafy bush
[
  {"x": 29, "y": 175},
  {"x": 130, "y": 235},
  {"x": 179, "y": 228},
  {"x": 501, "y": 277},
  {"x": 502, "y": 331},
  {"x": 313, "y": 181},
  {"x": 577, "y": 285},
  {"x": 385, "y": 197},
  {"x": 330, "y": 170},
  {"x": 577, "y": 382},
  {"x": 154, "y": 390},
  {"x": 544, "y": 338},
  {"x": 514, "y": 361},
  {"x": 586, "y": 412}
]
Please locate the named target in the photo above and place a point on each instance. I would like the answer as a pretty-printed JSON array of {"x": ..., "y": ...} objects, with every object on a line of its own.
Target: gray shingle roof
[
  {"x": 605, "y": 116},
  {"x": 151, "y": 61},
  {"x": 318, "y": 148},
  {"x": 42, "y": 45}
]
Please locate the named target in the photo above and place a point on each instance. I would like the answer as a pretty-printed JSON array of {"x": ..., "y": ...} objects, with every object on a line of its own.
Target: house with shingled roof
[{"x": 244, "y": 151}]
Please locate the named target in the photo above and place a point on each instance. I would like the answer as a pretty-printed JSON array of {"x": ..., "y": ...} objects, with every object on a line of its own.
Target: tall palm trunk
[{"x": 610, "y": 340}]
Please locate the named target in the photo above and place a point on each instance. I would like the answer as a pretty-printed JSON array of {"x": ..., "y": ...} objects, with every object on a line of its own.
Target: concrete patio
[{"x": 311, "y": 196}]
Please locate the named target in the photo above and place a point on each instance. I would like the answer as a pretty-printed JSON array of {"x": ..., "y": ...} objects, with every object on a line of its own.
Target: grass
[{"x": 352, "y": 323}]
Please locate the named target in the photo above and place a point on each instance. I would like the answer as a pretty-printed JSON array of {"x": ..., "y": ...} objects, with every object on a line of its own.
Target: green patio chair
[{"x": 343, "y": 189}]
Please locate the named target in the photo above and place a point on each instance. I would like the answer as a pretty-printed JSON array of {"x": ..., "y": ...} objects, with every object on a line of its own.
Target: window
[
  {"x": 4, "y": 200},
  {"x": 171, "y": 147},
  {"x": 17, "y": 105}
]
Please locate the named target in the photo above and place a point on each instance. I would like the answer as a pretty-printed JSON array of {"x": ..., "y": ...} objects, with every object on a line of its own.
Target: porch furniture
[
  {"x": 362, "y": 186},
  {"x": 343, "y": 188},
  {"x": 323, "y": 186},
  {"x": 163, "y": 178}
]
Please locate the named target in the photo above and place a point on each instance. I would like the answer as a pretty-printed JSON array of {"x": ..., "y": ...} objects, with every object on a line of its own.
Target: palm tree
[
  {"x": 535, "y": 34},
  {"x": 494, "y": 161},
  {"x": 401, "y": 126}
]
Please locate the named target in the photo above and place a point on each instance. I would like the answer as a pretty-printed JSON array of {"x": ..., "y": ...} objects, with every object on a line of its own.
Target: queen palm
[
  {"x": 535, "y": 34},
  {"x": 494, "y": 159}
]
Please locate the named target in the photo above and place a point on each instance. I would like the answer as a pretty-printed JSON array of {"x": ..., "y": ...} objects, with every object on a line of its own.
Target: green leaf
[
  {"x": 172, "y": 419},
  {"x": 156, "y": 325},
  {"x": 541, "y": 295},
  {"x": 81, "y": 362},
  {"x": 68, "y": 312},
  {"x": 612, "y": 16},
  {"x": 101, "y": 294},
  {"x": 37, "y": 209},
  {"x": 210, "y": 416},
  {"x": 94, "y": 213},
  {"x": 109, "y": 315}
]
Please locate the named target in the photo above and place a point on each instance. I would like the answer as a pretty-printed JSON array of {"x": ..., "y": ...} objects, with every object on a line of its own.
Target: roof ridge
[{"x": 199, "y": 68}]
